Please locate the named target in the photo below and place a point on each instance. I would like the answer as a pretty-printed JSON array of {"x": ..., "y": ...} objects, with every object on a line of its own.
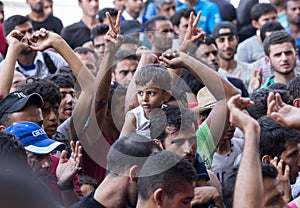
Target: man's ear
[
  {"x": 296, "y": 102},
  {"x": 150, "y": 36},
  {"x": 267, "y": 59},
  {"x": 2, "y": 128},
  {"x": 255, "y": 24},
  {"x": 133, "y": 173},
  {"x": 266, "y": 159},
  {"x": 176, "y": 30},
  {"x": 167, "y": 96},
  {"x": 158, "y": 196}
]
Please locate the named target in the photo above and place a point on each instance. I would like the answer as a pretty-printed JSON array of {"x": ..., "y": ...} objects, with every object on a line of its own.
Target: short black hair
[
  {"x": 174, "y": 116},
  {"x": 84, "y": 179},
  {"x": 269, "y": 26},
  {"x": 123, "y": 54},
  {"x": 62, "y": 80},
  {"x": 102, "y": 13},
  {"x": 99, "y": 30},
  {"x": 294, "y": 87},
  {"x": 127, "y": 151},
  {"x": 268, "y": 171},
  {"x": 260, "y": 9},
  {"x": 13, "y": 21},
  {"x": 150, "y": 24},
  {"x": 44, "y": 87},
  {"x": 273, "y": 137},
  {"x": 12, "y": 150},
  {"x": 209, "y": 40},
  {"x": 278, "y": 37},
  {"x": 164, "y": 170},
  {"x": 259, "y": 97},
  {"x": 181, "y": 13}
]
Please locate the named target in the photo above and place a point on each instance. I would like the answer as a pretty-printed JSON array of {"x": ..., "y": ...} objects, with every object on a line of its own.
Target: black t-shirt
[
  {"x": 88, "y": 202},
  {"x": 76, "y": 34},
  {"x": 50, "y": 23}
]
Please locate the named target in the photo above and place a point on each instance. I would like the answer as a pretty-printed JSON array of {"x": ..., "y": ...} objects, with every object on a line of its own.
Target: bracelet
[{"x": 64, "y": 187}]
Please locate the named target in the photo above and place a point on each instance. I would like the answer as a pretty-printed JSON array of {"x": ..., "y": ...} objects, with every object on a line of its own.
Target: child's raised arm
[{"x": 16, "y": 44}]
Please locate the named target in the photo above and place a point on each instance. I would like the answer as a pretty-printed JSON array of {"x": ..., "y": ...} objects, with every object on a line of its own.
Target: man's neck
[
  {"x": 90, "y": 22},
  {"x": 228, "y": 66},
  {"x": 145, "y": 204},
  {"x": 112, "y": 192},
  {"x": 38, "y": 16},
  {"x": 295, "y": 29},
  {"x": 280, "y": 78},
  {"x": 133, "y": 14},
  {"x": 191, "y": 3},
  {"x": 27, "y": 60},
  {"x": 280, "y": 8}
]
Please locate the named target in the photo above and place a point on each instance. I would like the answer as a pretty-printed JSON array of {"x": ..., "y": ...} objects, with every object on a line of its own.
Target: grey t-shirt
[
  {"x": 250, "y": 50},
  {"x": 245, "y": 70}
]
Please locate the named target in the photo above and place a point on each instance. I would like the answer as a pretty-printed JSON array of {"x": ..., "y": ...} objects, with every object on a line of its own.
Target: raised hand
[
  {"x": 193, "y": 33},
  {"x": 17, "y": 40},
  {"x": 207, "y": 195},
  {"x": 283, "y": 177},
  {"x": 172, "y": 59},
  {"x": 43, "y": 39},
  {"x": 284, "y": 114},
  {"x": 256, "y": 79},
  {"x": 67, "y": 169},
  {"x": 238, "y": 117},
  {"x": 113, "y": 38}
]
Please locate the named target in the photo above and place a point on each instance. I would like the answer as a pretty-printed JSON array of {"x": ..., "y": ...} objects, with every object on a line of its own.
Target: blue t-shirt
[
  {"x": 210, "y": 15},
  {"x": 297, "y": 40}
]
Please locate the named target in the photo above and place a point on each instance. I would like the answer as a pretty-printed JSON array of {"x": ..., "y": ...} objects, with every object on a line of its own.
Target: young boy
[{"x": 153, "y": 83}]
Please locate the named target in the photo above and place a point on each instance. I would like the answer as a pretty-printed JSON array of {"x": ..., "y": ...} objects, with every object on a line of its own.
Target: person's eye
[
  {"x": 46, "y": 111},
  {"x": 140, "y": 93},
  {"x": 55, "y": 108},
  {"x": 124, "y": 72},
  {"x": 151, "y": 93}
]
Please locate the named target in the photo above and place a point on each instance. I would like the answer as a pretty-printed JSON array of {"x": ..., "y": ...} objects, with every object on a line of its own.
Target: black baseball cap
[
  {"x": 129, "y": 27},
  {"x": 224, "y": 25},
  {"x": 16, "y": 101}
]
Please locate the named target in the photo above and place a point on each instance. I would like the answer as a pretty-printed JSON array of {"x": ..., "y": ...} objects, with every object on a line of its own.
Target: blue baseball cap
[{"x": 34, "y": 138}]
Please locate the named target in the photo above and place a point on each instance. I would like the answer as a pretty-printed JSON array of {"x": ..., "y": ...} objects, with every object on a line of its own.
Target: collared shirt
[
  {"x": 127, "y": 16},
  {"x": 40, "y": 68}
]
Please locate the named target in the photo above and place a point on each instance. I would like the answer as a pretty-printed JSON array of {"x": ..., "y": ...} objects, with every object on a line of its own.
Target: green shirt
[
  {"x": 270, "y": 81},
  {"x": 205, "y": 143}
]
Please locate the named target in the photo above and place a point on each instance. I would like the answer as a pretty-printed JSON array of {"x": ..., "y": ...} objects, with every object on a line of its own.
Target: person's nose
[
  {"x": 53, "y": 115},
  {"x": 145, "y": 97},
  {"x": 69, "y": 98},
  {"x": 188, "y": 147},
  {"x": 46, "y": 163}
]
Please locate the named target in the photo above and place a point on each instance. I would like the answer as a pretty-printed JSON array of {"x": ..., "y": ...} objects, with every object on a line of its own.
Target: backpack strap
[{"x": 49, "y": 63}]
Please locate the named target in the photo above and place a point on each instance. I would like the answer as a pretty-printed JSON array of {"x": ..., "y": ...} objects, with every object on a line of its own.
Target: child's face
[{"x": 151, "y": 97}]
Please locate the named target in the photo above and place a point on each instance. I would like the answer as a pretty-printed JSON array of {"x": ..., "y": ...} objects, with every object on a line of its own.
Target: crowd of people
[{"x": 150, "y": 104}]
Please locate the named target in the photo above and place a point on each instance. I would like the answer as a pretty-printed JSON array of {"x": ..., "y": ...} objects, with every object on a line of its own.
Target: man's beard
[
  {"x": 286, "y": 72},
  {"x": 39, "y": 9},
  {"x": 27, "y": 52}
]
